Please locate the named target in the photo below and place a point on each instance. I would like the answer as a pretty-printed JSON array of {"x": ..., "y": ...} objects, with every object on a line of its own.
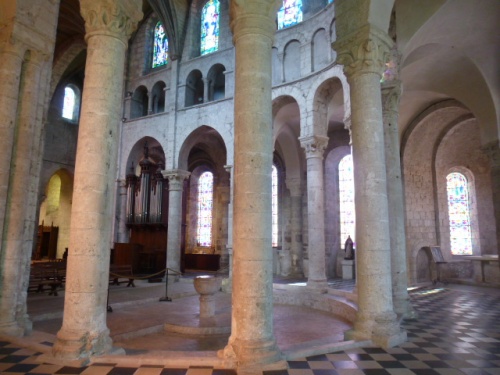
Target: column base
[
  {"x": 403, "y": 307},
  {"x": 383, "y": 331},
  {"x": 318, "y": 286},
  {"x": 78, "y": 347},
  {"x": 248, "y": 355},
  {"x": 13, "y": 329}
]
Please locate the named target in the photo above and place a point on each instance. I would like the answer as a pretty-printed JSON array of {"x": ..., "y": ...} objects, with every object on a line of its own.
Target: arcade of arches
[{"x": 199, "y": 135}]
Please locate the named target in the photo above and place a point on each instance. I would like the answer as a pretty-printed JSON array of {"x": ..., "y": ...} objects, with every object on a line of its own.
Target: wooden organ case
[{"x": 146, "y": 218}]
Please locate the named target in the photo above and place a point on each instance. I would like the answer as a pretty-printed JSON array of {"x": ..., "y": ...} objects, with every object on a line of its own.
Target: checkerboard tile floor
[{"x": 458, "y": 332}]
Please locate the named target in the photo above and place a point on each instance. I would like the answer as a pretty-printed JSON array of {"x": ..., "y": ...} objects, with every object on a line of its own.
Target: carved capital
[
  {"x": 314, "y": 145},
  {"x": 114, "y": 18},
  {"x": 175, "y": 178},
  {"x": 367, "y": 50},
  {"x": 253, "y": 17}
]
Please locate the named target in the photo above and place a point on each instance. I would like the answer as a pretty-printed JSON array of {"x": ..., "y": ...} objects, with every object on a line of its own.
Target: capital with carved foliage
[
  {"x": 114, "y": 18},
  {"x": 314, "y": 145},
  {"x": 176, "y": 178},
  {"x": 366, "y": 50}
]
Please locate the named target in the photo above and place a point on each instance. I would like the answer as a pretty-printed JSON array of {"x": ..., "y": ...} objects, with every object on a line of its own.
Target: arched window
[
  {"x": 71, "y": 103},
  {"x": 346, "y": 195},
  {"x": 274, "y": 205},
  {"x": 160, "y": 46},
  {"x": 210, "y": 27},
  {"x": 459, "y": 214},
  {"x": 290, "y": 13},
  {"x": 205, "y": 204}
]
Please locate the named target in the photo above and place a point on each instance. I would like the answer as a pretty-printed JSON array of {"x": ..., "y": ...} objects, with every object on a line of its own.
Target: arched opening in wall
[
  {"x": 203, "y": 154},
  {"x": 292, "y": 61},
  {"x": 143, "y": 210},
  {"x": 194, "y": 89},
  {"x": 139, "y": 105},
  {"x": 55, "y": 216},
  {"x": 217, "y": 82},
  {"x": 320, "y": 50},
  {"x": 158, "y": 93}
]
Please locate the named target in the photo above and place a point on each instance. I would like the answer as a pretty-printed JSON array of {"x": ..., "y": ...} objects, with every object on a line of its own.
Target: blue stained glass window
[
  {"x": 69, "y": 103},
  {"x": 330, "y": 1},
  {"x": 205, "y": 204},
  {"x": 274, "y": 203},
  {"x": 290, "y": 13},
  {"x": 160, "y": 47},
  {"x": 346, "y": 195},
  {"x": 210, "y": 27},
  {"x": 459, "y": 214}
]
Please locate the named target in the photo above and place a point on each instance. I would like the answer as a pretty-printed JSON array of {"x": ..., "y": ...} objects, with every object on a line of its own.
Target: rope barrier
[{"x": 144, "y": 277}]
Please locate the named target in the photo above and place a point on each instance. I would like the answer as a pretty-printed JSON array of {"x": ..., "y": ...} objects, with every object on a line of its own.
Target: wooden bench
[
  {"x": 42, "y": 277},
  {"x": 117, "y": 272}
]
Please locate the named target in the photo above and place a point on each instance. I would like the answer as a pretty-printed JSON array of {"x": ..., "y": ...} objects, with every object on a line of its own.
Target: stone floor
[{"x": 458, "y": 332}]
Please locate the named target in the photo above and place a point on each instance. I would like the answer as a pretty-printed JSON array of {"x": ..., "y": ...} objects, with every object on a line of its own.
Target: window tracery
[{"x": 459, "y": 214}]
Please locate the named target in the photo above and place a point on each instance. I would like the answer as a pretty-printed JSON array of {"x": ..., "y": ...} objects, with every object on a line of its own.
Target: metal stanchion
[
  {"x": 108, "y": 307},
  {"x": 166, "y": 298}
]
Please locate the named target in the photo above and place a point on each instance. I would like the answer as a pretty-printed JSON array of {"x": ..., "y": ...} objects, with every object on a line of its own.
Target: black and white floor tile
[{"x": 457, "y": 333}]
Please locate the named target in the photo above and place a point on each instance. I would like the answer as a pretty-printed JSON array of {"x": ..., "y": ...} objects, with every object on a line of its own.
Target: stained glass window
[
  {"x": 69, "y": 103},
  {"x": 274, "y": 203},
  {"x": 160, "y": 47},
  {"x": 459, "y": 214},
  {"x": 346, "y": 195},
  {"x": 205, "y": 204},
  {"x": 210, "y": 27},
  {"x": 290, "y": 13}
]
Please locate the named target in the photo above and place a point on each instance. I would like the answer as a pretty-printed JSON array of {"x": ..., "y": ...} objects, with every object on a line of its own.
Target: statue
[{"x": 348, "y": 248}]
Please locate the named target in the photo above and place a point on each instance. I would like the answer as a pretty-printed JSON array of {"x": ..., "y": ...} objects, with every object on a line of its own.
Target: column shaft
[
  {"x": 395, "y": 196},
  {"x": 175, "y": 186},
  {"x": 84, "y": 331},
  {"x": 296, "y": 221},
  {"x": 252, "y": 340}
]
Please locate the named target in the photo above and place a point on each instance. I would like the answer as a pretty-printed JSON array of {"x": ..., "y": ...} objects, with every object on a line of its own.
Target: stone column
[
  {"x": 252, "y": 341},
  {"x": 314, "y": 147},
  {"x": 228, "y": 285},
  {"x": 122, "y": 234},
  {"x": 84, "y": 332},
  {"x": 363, "y": 54},
  {"x": 294, "y": 185},
  {"x": 391, "y": 92},
  {"x": 18, "y": 228},
  {"x": 206, "y": 89},
  {"x": 176, "y": 179}
]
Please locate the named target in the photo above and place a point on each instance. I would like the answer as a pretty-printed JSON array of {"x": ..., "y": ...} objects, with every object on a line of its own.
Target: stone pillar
[
  {"x": 294, "y": 185},
  {"x": 20, "y": 205},
  {"x": 84, "y": 332},
  {"x": 122, "y": 234},
  {"x": 391, "y": 92},
  {"x": 493, "y": 151},
  {"x": 206, "y": 89},
  {"x": 252, "y": 341},
  {"x": 10, "y": 75},
  {"x": 363, "y": 54},
  {"x": 314, "y": 147},
  {"x": 228, "y": 285},
  {"x": 176, "y": 179}
]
